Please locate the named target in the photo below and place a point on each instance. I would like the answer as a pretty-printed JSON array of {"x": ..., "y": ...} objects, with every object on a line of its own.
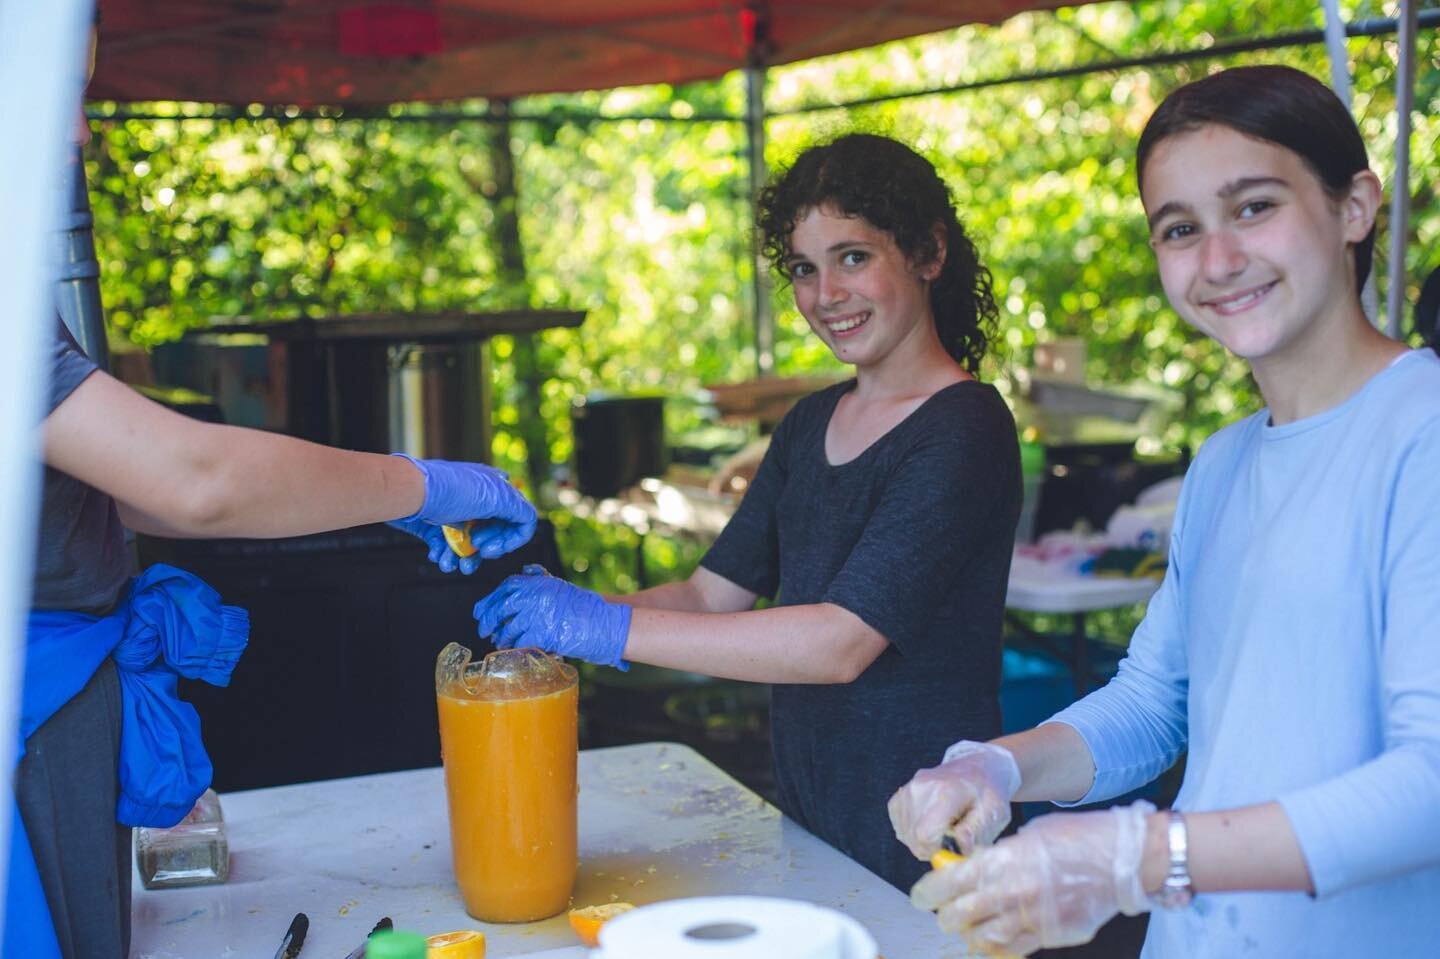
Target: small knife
[
  {"x": 294, "y": 937},
  {"x": 359, "y": 951}
]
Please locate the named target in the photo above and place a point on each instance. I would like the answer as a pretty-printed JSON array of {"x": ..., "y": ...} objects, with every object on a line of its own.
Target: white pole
[
  {"x": 41, "y": 75},
  {"x": 1400, "y": 185},
  {"x": 1335, "y": 50},
  {"x": 1339, "y": 59}
]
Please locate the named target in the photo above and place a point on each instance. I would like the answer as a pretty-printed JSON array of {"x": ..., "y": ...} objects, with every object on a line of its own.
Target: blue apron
[{"x": 169, "y": 624}]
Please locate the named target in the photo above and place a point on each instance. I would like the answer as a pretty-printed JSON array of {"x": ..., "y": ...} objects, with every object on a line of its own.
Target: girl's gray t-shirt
[
  {"x": 81, "y": 559},
  {"x": 914, "y": 536}
]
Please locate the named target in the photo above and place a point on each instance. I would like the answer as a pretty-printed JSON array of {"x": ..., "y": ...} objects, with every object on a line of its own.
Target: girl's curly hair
[{"x": 898, "y": 191}]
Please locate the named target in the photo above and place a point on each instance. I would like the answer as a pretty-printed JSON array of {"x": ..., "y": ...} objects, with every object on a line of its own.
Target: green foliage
[
  {"x": 608, "y": 558},
  {"x": 644, "y": 223},
  {"x": 257, "y": 217}
]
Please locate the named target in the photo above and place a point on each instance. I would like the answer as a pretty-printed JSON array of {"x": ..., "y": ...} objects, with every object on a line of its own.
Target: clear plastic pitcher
[{"x": 508, "y": 740}]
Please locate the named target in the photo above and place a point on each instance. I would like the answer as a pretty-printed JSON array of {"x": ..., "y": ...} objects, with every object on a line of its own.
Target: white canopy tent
[{"x": 40, "y": 85}]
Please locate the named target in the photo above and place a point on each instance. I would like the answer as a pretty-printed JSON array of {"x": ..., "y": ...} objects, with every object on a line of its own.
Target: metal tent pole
[
  {"x": 1400, "y": 184},
  {"x": 1339, "y": 59},
  {"x": 1335, "y": 50},
  {"x": 760, "y": 285},
  {"x": 755, "y": 29}
]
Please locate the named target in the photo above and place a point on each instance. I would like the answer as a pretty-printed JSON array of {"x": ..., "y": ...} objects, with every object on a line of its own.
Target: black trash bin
[{"x": 618, "y": 440}]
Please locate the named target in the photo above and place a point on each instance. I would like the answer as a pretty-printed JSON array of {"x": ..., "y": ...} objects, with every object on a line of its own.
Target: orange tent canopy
[{"x": 363, "y": 52}]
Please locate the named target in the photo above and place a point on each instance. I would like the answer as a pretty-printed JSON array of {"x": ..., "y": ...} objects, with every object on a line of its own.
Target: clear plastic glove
[
  {"x": 1052, "y": 884},
  {"x": 967, "y": 795},
  {"x": 456, "y": 492},
  {"x": 537, "y": 609}
]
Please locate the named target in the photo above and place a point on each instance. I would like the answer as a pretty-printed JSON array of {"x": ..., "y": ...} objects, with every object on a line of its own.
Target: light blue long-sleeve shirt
[{"x": 1295, "y": 649}]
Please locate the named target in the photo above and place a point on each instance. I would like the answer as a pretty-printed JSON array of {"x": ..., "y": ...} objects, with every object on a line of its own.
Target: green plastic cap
[
  {"x": 395, "y": 945},
  {"x": 1032, "y": 458}
]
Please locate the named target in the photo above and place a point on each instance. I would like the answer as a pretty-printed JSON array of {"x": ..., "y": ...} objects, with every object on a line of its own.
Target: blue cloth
[
  {"x": 169, "y": 624},
  {"x": 1295, "y": 647}
]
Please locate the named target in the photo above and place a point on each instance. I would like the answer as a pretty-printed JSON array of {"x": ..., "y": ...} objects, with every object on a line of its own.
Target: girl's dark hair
[
  {"x": 898, "y": 191},
  {"x": 1279, "y": 105}
]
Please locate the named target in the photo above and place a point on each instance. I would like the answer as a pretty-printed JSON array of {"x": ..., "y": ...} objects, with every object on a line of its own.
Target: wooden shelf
[{"x": 399, "y": 327}]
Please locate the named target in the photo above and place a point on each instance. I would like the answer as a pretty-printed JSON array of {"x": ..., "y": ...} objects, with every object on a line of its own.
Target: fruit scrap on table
[
  {"x": 465, "y": 944},
  {"x": 587, "y": 920}
]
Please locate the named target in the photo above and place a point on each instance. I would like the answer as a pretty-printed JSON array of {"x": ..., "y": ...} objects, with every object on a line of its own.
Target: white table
[
  {"x": 1035, "y": 587},
  {"x": 657, "y": 822}
]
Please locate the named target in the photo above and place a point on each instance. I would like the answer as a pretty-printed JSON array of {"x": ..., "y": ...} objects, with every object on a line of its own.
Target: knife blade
[
  {"x": 948, "y": 854},
  {"x": 294, "y": 937}
]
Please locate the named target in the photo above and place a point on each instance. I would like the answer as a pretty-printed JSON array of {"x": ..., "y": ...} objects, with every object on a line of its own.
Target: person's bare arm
[
  {"x": 817, "y": 643},
  {"x": 702, "y": 592},
  {"x": 1250, "y": 848},
  {"x": 1055, "y": 764},
  {"x": 176, "y": 476}
]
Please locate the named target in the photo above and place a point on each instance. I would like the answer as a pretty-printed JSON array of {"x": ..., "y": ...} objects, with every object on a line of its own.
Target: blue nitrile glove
[
  {"x": 457, "y": 492},
  {"x": 537, "y": 609}
]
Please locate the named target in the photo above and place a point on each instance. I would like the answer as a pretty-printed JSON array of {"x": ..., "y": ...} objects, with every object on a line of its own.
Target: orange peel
[
  {"x": 458, "y": 538},
  {"x": 465, "y": 944},
  {"x": 940, "y": 860},
  {"x": 587, "y": 920}
]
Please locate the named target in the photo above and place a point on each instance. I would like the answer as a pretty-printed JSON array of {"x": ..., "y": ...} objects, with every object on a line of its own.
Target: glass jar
[{"x": 193, "y": 852}]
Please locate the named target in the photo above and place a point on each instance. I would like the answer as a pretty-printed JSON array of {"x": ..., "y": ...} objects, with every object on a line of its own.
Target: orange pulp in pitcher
[{"x": 510, "y": 781}]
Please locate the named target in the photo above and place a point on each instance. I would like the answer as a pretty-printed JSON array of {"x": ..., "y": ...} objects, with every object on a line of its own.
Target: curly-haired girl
[{"x": 881, "y": 519}]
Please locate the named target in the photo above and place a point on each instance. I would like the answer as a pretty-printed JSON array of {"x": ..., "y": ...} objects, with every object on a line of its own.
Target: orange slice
[
  {"x": 459, "y": 538},
  {"x": 466, "y": 944},
  {"x": 587, "y": 921},
  {"x": 945, "y": 858}
]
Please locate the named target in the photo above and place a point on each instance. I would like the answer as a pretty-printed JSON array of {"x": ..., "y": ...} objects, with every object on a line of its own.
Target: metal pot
[{"x": 437, "y": 400}]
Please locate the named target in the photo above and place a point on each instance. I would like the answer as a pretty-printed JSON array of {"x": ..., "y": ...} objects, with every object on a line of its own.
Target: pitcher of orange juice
[{"x": 508, "y": 740}]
